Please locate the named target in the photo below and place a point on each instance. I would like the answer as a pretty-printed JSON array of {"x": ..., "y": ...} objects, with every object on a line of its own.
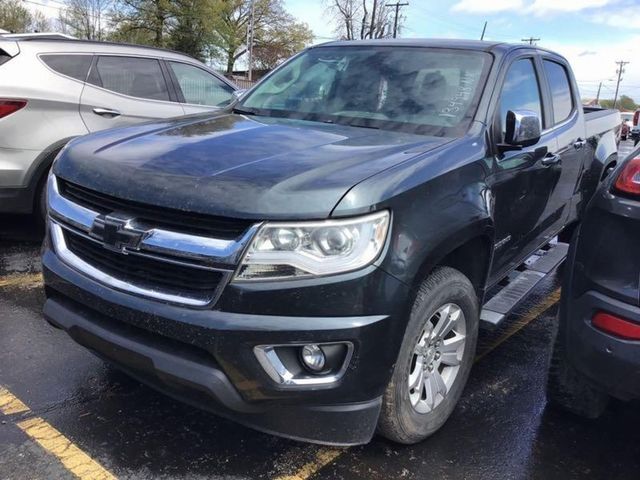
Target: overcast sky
[{"x": 592, "y": 34}]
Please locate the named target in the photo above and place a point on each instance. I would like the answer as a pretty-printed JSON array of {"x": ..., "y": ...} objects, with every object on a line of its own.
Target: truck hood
[{"x": 237, "y": 166}]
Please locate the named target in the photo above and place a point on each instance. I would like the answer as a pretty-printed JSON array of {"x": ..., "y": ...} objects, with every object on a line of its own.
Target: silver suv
[{"x": 53, "y": 89}]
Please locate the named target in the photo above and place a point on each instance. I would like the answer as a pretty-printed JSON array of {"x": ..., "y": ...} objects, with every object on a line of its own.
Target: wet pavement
[{"x": 501, "y": 428}]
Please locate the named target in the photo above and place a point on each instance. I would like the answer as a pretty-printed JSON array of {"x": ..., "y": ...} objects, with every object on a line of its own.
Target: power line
[{"x": 397, "y": 6}]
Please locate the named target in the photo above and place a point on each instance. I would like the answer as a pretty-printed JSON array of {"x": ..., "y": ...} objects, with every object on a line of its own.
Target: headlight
[{"x": 303, "y": 249}]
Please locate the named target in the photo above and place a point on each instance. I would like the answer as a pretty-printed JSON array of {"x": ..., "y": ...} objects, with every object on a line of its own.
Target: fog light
[{"x": 313, "y": 357}]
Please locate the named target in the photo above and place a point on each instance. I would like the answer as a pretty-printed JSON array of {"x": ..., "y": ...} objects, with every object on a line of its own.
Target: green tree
[
  {"x": 143, "y": 21},
  {"x": 625, "y": 102},
  {"x": 192, "y": 31},
  {"x": 183, "y": 25},
  {"x": 14, "y": 17},
  {"x": 269, "y": 16},
  {"x": 279, "y": 41},
  {"x": 209, "y": 29}
]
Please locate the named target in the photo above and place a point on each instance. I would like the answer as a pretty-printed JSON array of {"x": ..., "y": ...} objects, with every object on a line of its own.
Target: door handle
[
  {"x": 105, "y": 112},
  {"x": 578, "y": 144},
  {"x": 550, "y": 159}
]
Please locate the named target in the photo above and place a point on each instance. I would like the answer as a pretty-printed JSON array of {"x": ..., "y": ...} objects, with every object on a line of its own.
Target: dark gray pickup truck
[{"x": 316, "y": 260}]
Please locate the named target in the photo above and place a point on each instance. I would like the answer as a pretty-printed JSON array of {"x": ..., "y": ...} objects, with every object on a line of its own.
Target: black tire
[
  {"x": 399, "y": 421},
  {"x": 570, "y": 390}
]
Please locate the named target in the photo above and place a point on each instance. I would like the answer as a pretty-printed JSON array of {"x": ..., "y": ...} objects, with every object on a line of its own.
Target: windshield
[{"x": 420, "y": 90}]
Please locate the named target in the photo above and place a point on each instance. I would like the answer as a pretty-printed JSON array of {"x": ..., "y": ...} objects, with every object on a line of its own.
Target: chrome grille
[
  {"x": 171, "y": 219},
  {"x": 132, "y": 253}
]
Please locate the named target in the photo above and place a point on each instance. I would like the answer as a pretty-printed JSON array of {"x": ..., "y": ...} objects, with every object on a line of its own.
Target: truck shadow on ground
[{"x": 20, "y": 228}]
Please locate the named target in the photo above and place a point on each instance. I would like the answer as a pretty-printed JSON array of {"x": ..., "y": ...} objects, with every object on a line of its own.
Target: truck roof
[
  {"x": 418, "y": 42},
  {"x": 484, "y": 46}
]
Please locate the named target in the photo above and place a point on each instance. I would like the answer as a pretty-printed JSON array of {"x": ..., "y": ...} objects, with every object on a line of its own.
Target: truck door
[
  {"x": 125, "y": 90},
  {"x": 525, "y": 183},
  {"x": 569, "y": 127}
]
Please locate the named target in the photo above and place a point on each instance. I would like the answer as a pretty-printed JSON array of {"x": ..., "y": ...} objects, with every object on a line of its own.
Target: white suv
[{"x": 53, "y": 89}]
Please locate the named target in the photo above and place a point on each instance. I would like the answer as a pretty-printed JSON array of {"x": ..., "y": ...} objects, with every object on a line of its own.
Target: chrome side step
[
  {"x": 550, "y": 259},
  {"x": 533, "y": 271}
]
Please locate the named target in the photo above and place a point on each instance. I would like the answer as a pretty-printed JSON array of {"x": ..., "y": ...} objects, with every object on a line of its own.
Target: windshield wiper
[
  {"x": 240, "y": 111},
  {"x": 363, "y": 125}
]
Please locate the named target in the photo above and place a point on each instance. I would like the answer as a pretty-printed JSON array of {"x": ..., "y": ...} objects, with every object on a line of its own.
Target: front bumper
[
  {"x": 611, "y": 363},
  {"x": 205, "y": 356}
]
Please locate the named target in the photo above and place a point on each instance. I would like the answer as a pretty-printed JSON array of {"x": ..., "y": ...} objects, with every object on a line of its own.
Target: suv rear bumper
[
  {"x": 206, "y": 357},
  {"x": 611, "y": 363},
  {"x": 16, "y": 200},
  {"x": 16, "y": 193},
  {"x": 15, "y": 164}
]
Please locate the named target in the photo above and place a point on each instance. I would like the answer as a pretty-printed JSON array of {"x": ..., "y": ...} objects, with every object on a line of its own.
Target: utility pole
[
  {"x": 250, "y": 73},
  {"x": 620, "y": 71},
  {"x": 531, "y": 40},
  {"x": 598, "y": 95},
  {"x": 484, "y": 29},
  {"x": 397, "y": 6}
]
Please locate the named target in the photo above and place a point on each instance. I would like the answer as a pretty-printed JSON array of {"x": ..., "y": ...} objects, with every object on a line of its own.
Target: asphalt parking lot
[{"x": 67, "y": 414}]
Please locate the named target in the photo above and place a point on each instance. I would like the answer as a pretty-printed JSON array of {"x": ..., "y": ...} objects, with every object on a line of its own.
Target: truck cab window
[
  {"x": 520, "y": 91},
  {"x": 560, "y": 90}
]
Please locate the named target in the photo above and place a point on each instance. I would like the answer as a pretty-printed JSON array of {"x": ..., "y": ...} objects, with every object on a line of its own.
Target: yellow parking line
[
  {"x": 10, "y": 405},
  {"x": 74, "y": 459},
  {"x": 51, "y": 440},
  {"x": 24, "y": 280},
  {"x": 519, "y": 324},
  {"x": 326, "y": 456}
]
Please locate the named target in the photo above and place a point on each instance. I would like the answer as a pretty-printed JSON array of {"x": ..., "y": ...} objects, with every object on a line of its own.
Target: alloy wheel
[{"x": 436, "y": 358}]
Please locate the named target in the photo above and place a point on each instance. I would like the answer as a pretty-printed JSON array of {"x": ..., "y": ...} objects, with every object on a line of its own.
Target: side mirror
[{"x": 523, "y": 129}]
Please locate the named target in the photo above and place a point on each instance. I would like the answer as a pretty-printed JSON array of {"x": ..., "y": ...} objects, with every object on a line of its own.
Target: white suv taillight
[
  {"x": 7, "y": 107},
  {"x": 628, "y": 180}
]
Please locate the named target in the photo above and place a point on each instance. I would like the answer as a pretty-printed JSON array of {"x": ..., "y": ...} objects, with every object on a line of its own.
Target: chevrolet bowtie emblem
[{"x": 117, "y": 232}]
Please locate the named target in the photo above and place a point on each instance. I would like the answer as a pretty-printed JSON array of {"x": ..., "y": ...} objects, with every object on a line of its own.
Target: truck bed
[{"x": 599, "y": 120}]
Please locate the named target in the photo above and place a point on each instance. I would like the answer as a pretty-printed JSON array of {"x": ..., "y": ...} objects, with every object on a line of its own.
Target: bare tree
[
  {"x": 85, "y": 18},
  {"x": 371, "y": 16},
  {"x": 40, "y": 23},
  {"x": 14, "y": 17}
]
